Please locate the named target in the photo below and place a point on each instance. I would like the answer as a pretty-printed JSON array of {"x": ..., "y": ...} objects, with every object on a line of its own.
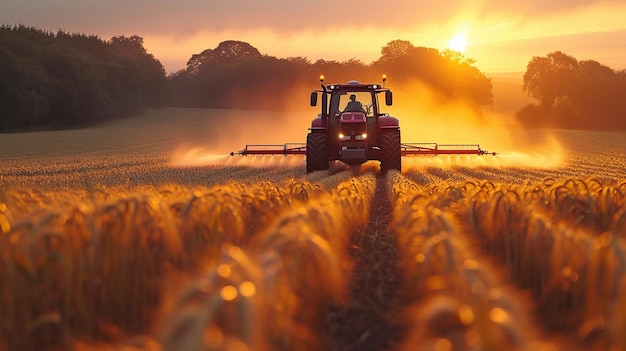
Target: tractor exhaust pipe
[{"x": 324, "y": 102}]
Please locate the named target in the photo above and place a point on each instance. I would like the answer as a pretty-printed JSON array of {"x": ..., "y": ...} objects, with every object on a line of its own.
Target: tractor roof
[{"x": 354, "y": 85}]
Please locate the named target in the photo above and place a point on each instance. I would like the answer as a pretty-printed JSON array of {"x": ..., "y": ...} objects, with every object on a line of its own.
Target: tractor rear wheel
[
  {"x": 390, "y": 150},
  {"x": 316, "y": 152}
]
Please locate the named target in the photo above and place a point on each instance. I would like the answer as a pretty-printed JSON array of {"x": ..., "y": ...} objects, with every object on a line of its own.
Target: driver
[{"x": 354, "y": 105}]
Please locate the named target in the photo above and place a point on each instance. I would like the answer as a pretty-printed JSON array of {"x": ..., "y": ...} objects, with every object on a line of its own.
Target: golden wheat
[
  {"x": 457, "y": 304},
  {"x": 219, "y": 311},
  {"x": 97, "y": 260},
  {"x": 305, "y": 257},
  {"x": 290, "y": 253},
  {"x": 96, "y": 229},
  {"x": 572, "y": 269}
]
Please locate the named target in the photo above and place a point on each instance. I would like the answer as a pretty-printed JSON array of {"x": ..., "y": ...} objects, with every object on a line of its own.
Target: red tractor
[{"x": 351, "y": 127}]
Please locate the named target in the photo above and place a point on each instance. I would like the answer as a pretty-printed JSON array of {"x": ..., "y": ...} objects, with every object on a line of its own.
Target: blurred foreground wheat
[{"x": 255, "y": 266}]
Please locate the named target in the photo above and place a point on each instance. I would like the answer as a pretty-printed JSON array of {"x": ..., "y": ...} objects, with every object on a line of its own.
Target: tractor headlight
[
  {"x": 344, "y": 137},
  {"x": 361, "y": 136}
]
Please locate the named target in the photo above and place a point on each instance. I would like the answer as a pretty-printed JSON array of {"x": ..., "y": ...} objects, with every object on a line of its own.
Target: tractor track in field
[{"x": 369, "y": 322}]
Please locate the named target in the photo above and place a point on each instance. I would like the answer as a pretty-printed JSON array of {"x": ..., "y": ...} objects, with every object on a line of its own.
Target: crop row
[
  {"x": 453, "y": 300},
  {"x": 92, "y": 265},
  {"x": 297, "y": 268},
  {"x": 563, "y": 241}
]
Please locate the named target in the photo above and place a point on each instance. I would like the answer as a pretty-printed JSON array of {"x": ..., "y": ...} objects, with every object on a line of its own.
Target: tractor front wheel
[
  {"x": 316, "y": 152},
  {"x": 390, "y": 150}
]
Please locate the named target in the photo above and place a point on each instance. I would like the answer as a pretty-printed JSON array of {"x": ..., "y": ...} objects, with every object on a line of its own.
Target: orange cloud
[{"x": 340, "y": 30}]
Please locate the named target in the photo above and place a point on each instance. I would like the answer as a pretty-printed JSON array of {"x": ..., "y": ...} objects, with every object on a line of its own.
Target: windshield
[{"x": 353, "y": 101}]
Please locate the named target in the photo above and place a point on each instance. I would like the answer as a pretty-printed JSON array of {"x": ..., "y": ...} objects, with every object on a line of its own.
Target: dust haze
[
  {"x": 285, "y": 119},
  {"x": 424, "y": 117}
]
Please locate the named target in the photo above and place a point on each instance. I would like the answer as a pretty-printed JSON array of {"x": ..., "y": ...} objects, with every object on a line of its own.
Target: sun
[{"x": 458, "y": 43}]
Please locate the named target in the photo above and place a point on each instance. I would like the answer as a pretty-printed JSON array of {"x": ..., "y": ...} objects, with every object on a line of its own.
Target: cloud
[
  {"x": 165, "y": 17},
  {"x": 190, "y": 16},
  {"x": 330, "y": 29},
  {"x": 542, "y": 7}
]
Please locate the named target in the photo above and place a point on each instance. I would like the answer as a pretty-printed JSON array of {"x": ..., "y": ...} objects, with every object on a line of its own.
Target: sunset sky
[{"x": 502, "y": 35}]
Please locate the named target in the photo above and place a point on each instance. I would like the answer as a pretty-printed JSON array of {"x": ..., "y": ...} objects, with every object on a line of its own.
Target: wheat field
[{"x": 144, "y": 234}]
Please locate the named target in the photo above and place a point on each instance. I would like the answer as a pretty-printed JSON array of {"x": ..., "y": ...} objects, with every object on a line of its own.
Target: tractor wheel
[
  {"x": 316, "y": 152},
  {"x": 390, "y": 150}
]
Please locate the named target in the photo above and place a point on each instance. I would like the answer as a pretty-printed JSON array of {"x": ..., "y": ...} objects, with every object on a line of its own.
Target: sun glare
[{"x": 457, "y": 43}]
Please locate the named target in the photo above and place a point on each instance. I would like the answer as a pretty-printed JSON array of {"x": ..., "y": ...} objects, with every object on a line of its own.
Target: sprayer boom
[
  {"x": 408, "y": 149},
  {"x": 272, "y": 149},
  {"x": 442, "y": 149}
]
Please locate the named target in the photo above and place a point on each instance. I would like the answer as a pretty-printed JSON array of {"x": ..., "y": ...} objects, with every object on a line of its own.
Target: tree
[
  {"x": 465, "y": 80},
  {"x": 25, "y": 91},
  {"x": 132, "y": 46},
  {"x": 61, "y": 79},
  {"x": 598, "y": 95},
  {"x": 394, "y": 51},
  {"x": 573, "y": 94},
  {"x": 299, "y": 60},
  {"x": 229, "y": 51},
  {"x": 548, "y": 78},
  {"x": 448, "y": 73},
  {"x": 141, "y": 76}
]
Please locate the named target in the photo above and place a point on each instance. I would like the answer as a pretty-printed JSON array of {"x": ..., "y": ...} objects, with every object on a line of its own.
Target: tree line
[
  {"x": 62, "y": 80},
  {"x": 236, "y": 74},
  {"x": 50, "y": 80},
  {"x": 65, "y": 80},
  {"x": 574, "y": 94}
]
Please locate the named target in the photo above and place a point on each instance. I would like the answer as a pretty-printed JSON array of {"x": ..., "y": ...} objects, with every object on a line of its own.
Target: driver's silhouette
[{"x": 354, "y": 105}]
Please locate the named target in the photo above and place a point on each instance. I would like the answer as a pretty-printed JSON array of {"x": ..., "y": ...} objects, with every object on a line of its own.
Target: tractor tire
[
  {"x": 316, "y": 152},
  {"x": 390, "y": 150}
]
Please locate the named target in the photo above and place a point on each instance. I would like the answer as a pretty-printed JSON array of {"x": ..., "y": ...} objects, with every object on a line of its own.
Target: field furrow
[{"x": 368, "y": 321}]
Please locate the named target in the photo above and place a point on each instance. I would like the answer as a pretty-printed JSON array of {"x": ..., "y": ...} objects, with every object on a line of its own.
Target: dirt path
[{"x": 368, "y": 322}]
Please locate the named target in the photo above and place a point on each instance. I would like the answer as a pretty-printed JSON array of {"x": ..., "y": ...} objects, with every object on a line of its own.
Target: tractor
[{"x": 351, "y": 127}]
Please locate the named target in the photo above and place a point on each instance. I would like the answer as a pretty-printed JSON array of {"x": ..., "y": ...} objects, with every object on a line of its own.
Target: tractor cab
[
  {"x": 351, "y": 97},
  {"x": 350, "y": 127}
]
